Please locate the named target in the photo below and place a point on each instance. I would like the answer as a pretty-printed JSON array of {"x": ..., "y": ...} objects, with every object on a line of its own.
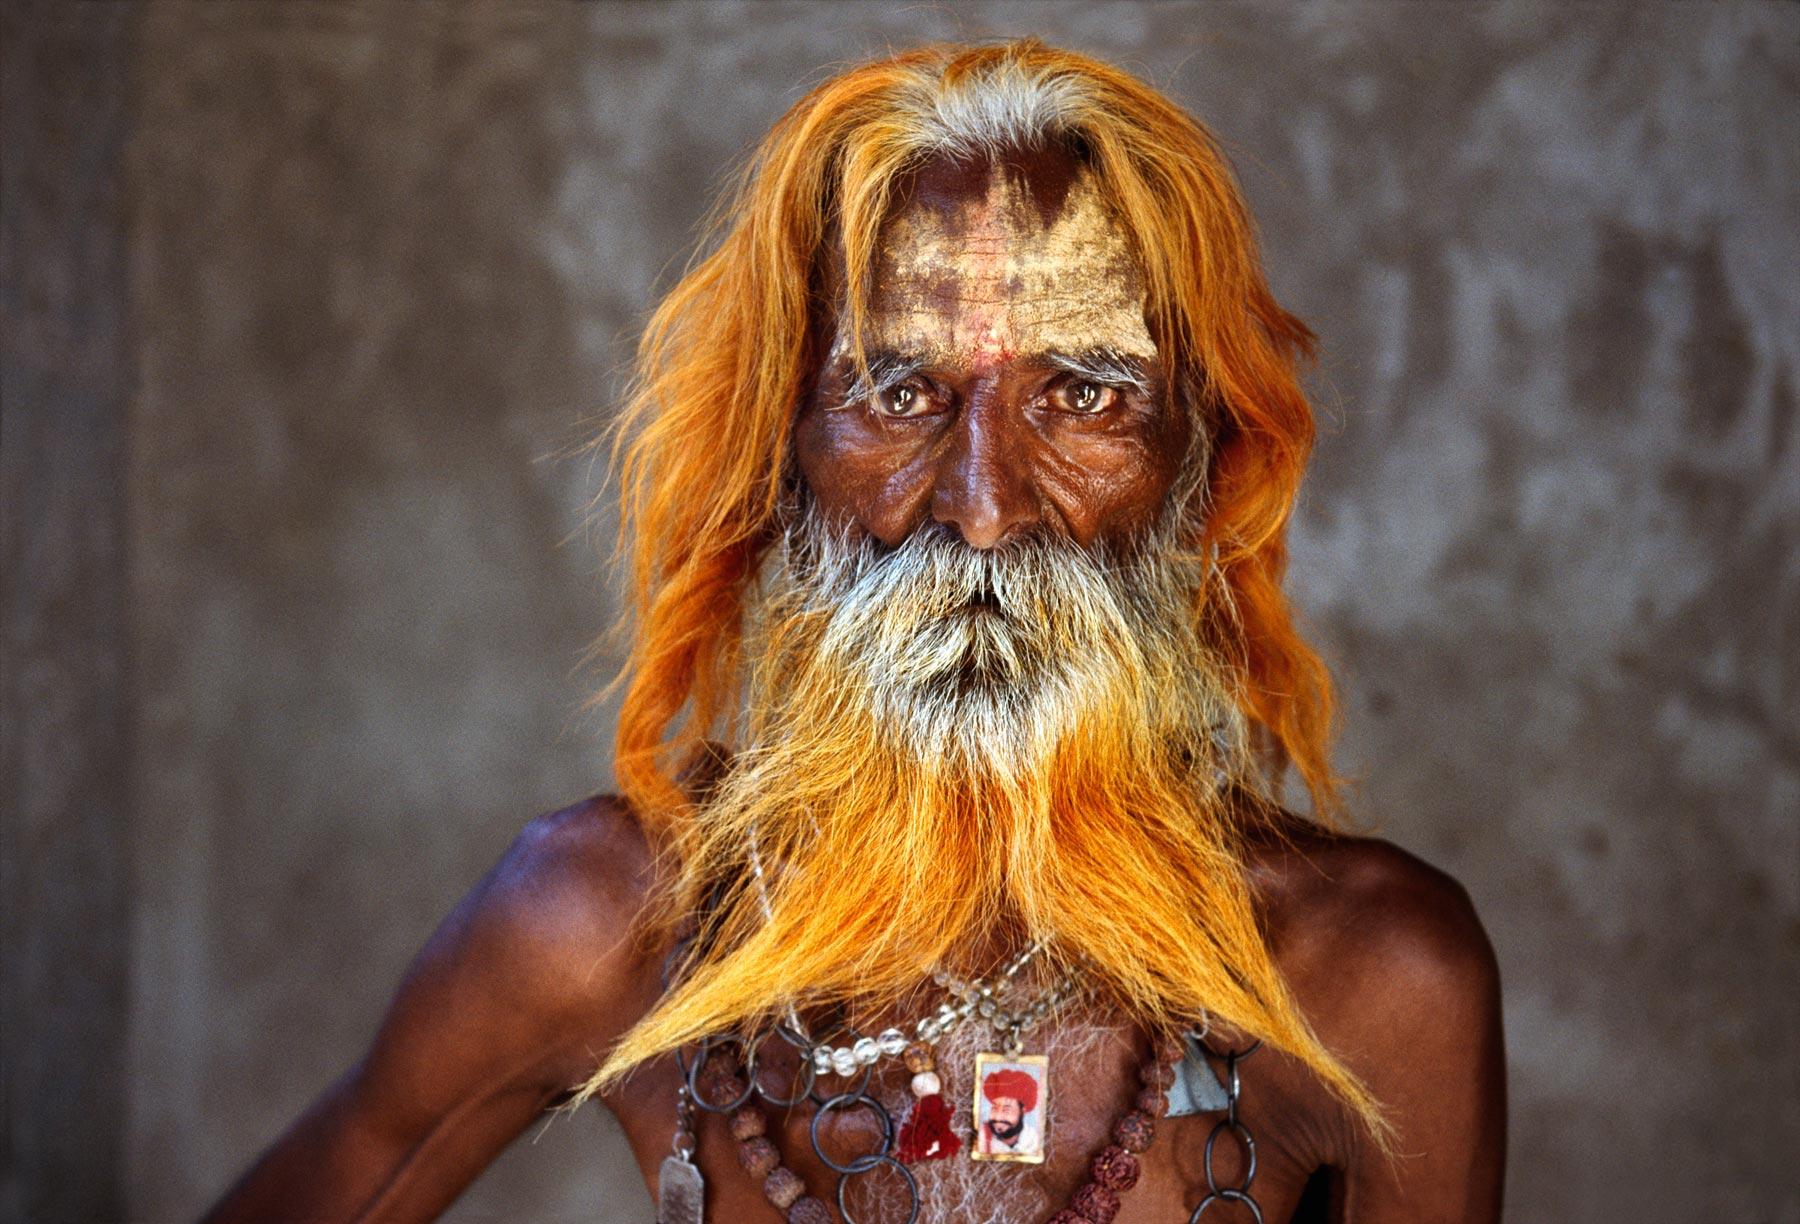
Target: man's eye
[
  {"x": 903, "y": 401},
  {"x": 1084, "y": 397}
]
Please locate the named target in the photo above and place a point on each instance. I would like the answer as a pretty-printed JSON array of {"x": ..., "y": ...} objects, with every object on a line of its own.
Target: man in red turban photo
[{"x": 1010, "y": 1093}]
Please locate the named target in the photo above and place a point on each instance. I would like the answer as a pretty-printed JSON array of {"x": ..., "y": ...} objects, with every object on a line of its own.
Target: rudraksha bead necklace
[{"x": 1114, "y": 1170}]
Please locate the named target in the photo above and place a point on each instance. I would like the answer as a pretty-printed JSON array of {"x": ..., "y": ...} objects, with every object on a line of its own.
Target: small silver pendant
[
  {"x": 680, "y": 1192},
  {"x": 1196, "y": 1089}
]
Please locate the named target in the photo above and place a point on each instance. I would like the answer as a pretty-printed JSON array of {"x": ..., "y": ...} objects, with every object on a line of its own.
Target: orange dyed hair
[{"x": 703, "y": 443}]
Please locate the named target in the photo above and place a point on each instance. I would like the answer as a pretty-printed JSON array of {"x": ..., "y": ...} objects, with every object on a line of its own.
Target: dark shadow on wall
[{"x": 65, "y": 83}]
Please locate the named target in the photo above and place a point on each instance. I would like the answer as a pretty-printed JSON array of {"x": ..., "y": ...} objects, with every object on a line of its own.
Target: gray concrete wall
[
  {"x": 363, "y": 343},
  {"x": 65, "y": 902},
  {"x": 385, "y": 261}
]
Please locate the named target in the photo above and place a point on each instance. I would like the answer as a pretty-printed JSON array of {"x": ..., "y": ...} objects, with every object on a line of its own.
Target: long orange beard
[{"x": 949, "y": 749}]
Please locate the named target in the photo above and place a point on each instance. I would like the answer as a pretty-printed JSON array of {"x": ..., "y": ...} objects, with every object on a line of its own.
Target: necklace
[
  {"x": 1112, "y": 1172},
  {"x": 978, "y": 997},
  {"x": 1010, "y": 1098},
  {"x": 730, "y": 1087},
  {"x": 927, "y": 1133},
  {"x": 1012, "y": 1084}
]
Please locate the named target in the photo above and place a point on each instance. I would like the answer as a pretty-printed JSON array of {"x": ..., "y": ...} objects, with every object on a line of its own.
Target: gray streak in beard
[{"x": 990, "y": 657}]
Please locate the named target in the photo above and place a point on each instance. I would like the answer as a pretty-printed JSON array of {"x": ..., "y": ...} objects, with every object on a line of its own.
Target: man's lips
[{"x": 977, "y": 612}]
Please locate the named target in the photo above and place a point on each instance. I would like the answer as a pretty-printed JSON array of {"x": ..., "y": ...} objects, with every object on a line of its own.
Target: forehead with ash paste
[{"x": 1003, "y": 260}]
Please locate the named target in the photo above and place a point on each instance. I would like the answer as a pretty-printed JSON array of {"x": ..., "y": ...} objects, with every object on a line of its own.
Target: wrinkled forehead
[{"x": 1009, "y": 258}]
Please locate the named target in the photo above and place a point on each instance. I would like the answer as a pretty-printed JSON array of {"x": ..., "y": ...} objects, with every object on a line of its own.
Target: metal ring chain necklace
[{"x": 716, "y": 1079}]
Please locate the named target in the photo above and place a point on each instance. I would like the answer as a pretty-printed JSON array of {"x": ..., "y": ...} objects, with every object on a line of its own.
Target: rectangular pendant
[
  {"x": 1011, "y": 1107},
  {"x": 680, "y": 1192}
]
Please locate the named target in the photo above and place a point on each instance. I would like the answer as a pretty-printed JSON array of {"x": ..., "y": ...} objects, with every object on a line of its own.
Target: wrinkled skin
[
  {"x": 987, "y": 284},
  {"x": 983, "y": 283}
]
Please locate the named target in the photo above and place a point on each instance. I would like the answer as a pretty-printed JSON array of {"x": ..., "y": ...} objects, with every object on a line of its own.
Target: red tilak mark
[{"x": 992, "y": 346}]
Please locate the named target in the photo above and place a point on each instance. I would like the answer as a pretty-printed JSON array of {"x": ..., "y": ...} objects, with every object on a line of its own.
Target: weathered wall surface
[
  {"x": 357, "y": 625},
  {"x": 387, "y": 259},
  {"x": 65, "y": 907}
]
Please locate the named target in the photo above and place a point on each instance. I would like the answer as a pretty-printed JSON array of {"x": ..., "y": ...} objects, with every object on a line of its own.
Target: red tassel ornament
[{"x": 926, "y": 1134}]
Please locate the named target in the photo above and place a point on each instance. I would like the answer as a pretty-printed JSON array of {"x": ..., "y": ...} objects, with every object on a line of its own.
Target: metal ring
[
  {"x": 1246, "y": 1052},
  {"x": 1243, "y": 1134},
  {"x": 912, "y": 1188},
  {"x": 1233, "y": 1090},
  {"x": 1227, "y": 1196},
  {"x": 749, "y": 1079},
  {"x": 704, "y": 1047},
  {"x": 681, "y": 1058},
  {"x": 811, "y": 1073},
  {"x": 868, "y": 1160},
  {"x": 793, "y": 1036}
]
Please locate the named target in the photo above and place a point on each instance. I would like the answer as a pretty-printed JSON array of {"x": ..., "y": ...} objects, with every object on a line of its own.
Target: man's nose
[{"x": 984, "y": 484}]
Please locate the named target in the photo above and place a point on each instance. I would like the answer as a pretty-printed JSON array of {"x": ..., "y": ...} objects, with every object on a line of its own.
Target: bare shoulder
[
  {"x": 560, "y": 910},
  {"x": 542, "y": 964},
  {"x": 559, "y": 915},
  {"x": 1367, "y": 912},
  {"x": 1388, "y": 960},
  {"x": 584, "y": 867}
]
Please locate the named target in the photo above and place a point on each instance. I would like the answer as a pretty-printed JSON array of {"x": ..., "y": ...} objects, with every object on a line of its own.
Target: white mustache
[
  {"x": 933, "y": 606},
  {"x": 989, "y": 655}
]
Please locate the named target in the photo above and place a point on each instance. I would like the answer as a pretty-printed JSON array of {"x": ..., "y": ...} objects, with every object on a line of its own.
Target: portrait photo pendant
[{"x": 1011, "y": 1107}]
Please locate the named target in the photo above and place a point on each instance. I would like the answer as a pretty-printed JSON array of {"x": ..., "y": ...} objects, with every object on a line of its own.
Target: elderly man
[{"x": 961, "y": 697}]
